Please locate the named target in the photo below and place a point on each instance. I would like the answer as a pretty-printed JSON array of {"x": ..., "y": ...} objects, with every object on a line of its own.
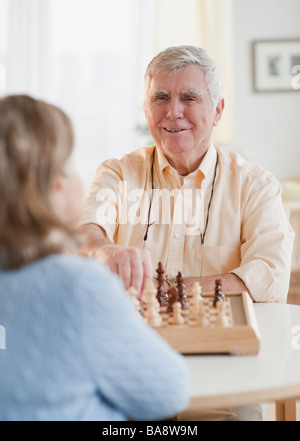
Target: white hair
[{"x": 177, "y": 57}]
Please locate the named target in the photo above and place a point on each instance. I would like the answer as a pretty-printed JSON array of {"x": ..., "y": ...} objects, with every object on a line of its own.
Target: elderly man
[{"x": 195, "y": 207}]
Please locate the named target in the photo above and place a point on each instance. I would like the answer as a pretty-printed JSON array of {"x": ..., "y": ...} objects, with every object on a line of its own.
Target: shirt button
[{"x": 177, "y": 235}]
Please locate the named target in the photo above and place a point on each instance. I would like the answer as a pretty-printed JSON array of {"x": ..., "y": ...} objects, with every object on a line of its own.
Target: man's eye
[{"x": 190, "y": 99}]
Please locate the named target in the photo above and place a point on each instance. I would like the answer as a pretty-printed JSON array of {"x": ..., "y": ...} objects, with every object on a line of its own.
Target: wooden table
[{"x": 272, "y": 375}]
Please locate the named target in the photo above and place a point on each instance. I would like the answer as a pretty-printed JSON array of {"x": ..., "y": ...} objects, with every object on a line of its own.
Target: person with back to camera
[
  {"x": 75, "y": 347},
  {"x": 198, "y": 208}
]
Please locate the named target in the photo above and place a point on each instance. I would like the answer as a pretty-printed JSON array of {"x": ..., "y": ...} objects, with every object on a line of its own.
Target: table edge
[{"x": 281, "y": 393}]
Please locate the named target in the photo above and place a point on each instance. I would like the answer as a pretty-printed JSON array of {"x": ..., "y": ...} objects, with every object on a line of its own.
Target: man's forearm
[{"x": 230, "y": 283}]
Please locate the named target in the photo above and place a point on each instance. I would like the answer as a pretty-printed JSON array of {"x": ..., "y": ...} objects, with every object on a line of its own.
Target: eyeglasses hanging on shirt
[{"x": 202, "y": 235}]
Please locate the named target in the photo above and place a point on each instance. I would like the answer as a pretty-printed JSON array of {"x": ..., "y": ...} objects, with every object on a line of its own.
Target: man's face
[{"x": 180, "y": 113}]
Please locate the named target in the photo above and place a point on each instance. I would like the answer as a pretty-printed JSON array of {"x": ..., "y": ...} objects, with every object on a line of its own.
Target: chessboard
[{"x": 200, "y": 323}]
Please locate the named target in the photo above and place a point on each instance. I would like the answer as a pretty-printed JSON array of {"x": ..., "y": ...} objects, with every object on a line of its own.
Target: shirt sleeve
[
  {"x": 134, "y": 369},
  {"x": 266, "y": 244},
  {"x": 102, "y": 204}
]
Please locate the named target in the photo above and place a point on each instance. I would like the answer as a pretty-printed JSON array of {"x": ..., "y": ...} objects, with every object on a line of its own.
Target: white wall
[{"x": 266, "y": 125}]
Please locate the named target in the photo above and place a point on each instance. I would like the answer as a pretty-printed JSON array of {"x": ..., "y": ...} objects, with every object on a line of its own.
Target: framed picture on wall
[{"x": 276, "y": 65}]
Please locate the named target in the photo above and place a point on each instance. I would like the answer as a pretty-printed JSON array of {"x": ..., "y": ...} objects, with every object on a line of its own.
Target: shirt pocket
[{"x": 219, "y": 260}]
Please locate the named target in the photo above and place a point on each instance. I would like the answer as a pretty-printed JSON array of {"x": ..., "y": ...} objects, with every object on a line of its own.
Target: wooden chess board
[{"x": 240, "y": 336}]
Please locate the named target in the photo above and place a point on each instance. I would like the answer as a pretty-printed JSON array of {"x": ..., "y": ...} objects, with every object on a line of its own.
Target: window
[{"x": 89, "y": 57}]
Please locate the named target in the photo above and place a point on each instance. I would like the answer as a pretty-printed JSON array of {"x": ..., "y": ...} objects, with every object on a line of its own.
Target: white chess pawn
[
  {"x": 152, "y": 315},
  {"x": 195, "y": 301},
  {"x": 152, "y": 306},
  {"x": 221, "y": 319},
  {"x": 202, "y": 320},
  {"x": 196, "y": 290},
  {"x": 150, "y": 293},
  {"x": 177, "y": 318}
]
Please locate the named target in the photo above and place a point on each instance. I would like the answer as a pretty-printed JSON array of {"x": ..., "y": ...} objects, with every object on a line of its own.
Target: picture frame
[{"x": 276, "y": 65}]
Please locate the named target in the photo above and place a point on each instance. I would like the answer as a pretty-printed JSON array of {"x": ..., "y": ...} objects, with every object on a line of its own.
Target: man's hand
[{"x": 133, "y": 265}]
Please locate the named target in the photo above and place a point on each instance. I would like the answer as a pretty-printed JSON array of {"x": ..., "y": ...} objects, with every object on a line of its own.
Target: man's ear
[{"x": 219, "y": 111}]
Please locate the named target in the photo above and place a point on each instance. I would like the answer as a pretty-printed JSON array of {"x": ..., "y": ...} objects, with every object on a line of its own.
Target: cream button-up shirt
[{"x": 246, "y": 230}]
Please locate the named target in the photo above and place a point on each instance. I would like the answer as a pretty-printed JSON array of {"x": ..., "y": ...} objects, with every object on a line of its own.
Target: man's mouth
[{"x": 173, "y": 130}]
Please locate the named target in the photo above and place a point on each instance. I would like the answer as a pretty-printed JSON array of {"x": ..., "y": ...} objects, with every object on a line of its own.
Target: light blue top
[{"x": 77, "y": 350}]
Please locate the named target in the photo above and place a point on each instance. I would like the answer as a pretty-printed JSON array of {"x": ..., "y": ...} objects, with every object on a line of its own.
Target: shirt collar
[
  {"x": 162, "y": 160},
  {"x": 206, "y": 166},
  {"x": 208, "y": 162}
]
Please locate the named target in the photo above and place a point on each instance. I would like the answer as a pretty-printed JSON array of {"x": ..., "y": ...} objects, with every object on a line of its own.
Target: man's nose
[{"x": 175, "y": 109}]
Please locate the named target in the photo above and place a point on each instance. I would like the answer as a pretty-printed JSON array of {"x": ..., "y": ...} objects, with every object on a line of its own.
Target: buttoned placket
[
  {"x": 181, "y": 214},
  {"x": 177, "y": 236},
  {"x": 178, "y": 241}
]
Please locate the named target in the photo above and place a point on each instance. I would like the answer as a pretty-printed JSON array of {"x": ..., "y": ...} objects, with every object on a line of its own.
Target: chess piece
[
  {"x": 221, "y": 319},
  {"x": 162, "y": 295},
  {"x": 172, "y": 298},
  {"x": 195, "y": 300},
  {"x": 152, "y": 314},
  {"x": 219, "y": 296},
  {"x": 182, "y": 298},
  {"x": 150, "y": 293},
  {"x": 133, "y": 295},
  {"x": 177, "y": 318},
  {"x": 201, "y": 320}
]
